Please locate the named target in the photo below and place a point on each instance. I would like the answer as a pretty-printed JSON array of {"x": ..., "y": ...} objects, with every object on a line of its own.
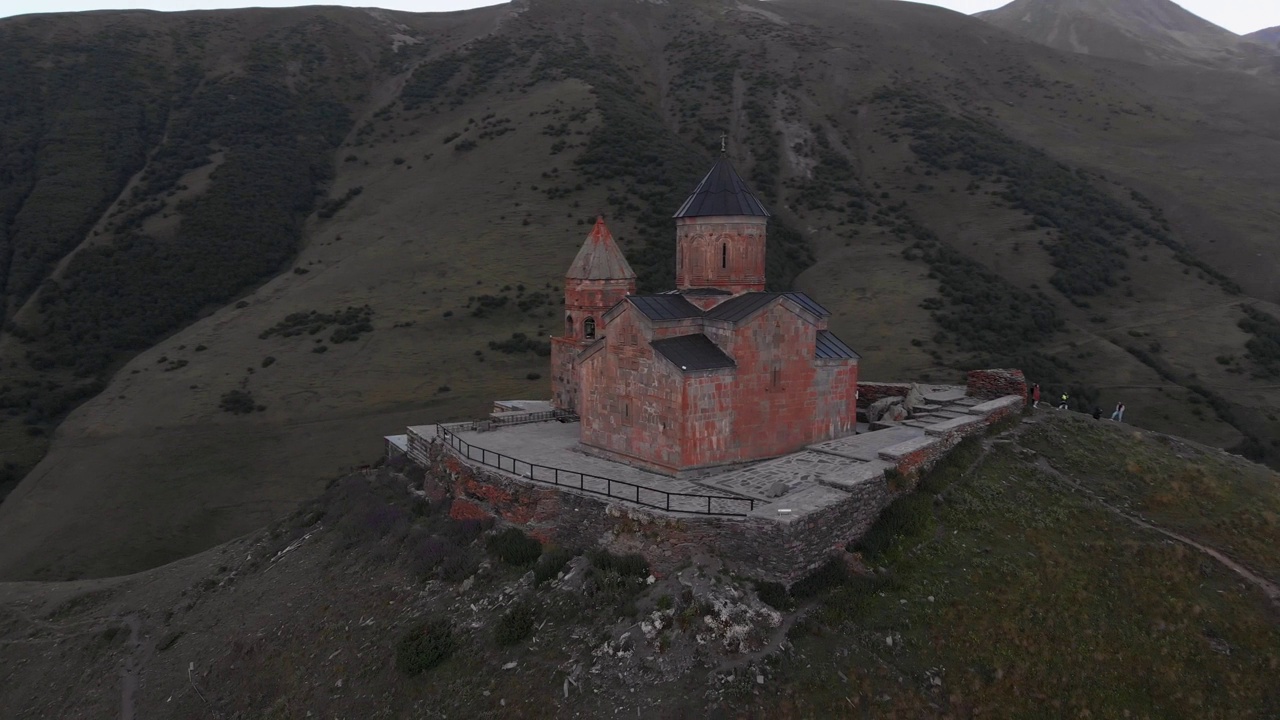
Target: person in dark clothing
[{"x": 1097, "y": 413}]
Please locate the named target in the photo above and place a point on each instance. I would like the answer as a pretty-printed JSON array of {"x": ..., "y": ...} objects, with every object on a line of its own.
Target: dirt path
[{"x": 1271, "y": 590}]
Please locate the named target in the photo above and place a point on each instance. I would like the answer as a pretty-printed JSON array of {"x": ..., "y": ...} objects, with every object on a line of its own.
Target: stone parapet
[
  {"x": 991, "y": 384},
  {"x": 871, "y": 392},
  {"x": 768, "y": 544}
]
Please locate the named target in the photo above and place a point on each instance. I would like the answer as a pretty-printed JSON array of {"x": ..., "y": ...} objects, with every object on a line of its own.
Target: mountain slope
[
  {"x": 1027, "y": 578},
  {"x": 1269, "y": 36},
  {"x": 956, "y": 197},
  {"x": 1147, "y": 31}
]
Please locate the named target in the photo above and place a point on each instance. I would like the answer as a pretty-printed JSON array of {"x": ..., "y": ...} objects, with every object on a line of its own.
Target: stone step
[
  {"x": 855, "y": 475},
  {"x": 796, "y": 505},
  {"x": 953, "y": 425},
  {"x": 991, "y": 406},
  {"x": 867, "y": 446},
  {"x": 896, "y": 453}
]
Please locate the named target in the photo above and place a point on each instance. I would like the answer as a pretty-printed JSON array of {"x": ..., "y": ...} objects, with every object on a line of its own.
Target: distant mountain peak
[
  {"x": 1146, "y": 31},
  {"x": 1269, "y": 37}
]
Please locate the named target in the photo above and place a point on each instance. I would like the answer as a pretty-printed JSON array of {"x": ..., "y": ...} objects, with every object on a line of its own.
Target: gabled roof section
[
  {"x": 740, "y": 307},
  {"x": 722, "y": 192},
  {"x": 697, "y": 292},
  {"x": 665, "y": 307},
  {"x": 743, "y": 306},
  {"x": 830, "y": 347},
  {"x": 600, "y": 258},
  {"x": 809, "y": 304},
  {"x": 693, "y": 352}
]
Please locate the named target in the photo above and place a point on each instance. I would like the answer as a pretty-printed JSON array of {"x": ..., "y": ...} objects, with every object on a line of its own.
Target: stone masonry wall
[
  {"x": 721, "y": 252},
  {"x": 755, "y": 546},
  {"x": 992, "y": 384},
  {"x": 870, "y": 392},
  {"x": 762, "y": 544}
]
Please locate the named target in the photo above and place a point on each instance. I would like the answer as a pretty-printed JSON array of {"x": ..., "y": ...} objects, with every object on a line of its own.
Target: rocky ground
[{"x": 1069, "y": 564}]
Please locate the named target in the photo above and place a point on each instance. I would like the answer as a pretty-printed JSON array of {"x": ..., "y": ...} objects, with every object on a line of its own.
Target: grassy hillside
[
  {"x": 342, "y": 218},
  {"x": 1064, "y": 567},
  {"x": 1145, "y": 31}
]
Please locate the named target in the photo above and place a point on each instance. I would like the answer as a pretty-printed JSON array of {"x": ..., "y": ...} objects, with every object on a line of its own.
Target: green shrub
[
  {"x": 774, "y": 595},
  {"x": 515, "y": 626},
  {"x": 425, "y": 646},
  {"x": 627, "y": 566},
  {"x": 551, "y": 563},
  {"x": 955, "y": 464},
  {"x": 830, "y": 575},
  {"x": 513, "y": 547},
  {"x": 237, "y": 402},
  {"x": 909, "y": 517}
]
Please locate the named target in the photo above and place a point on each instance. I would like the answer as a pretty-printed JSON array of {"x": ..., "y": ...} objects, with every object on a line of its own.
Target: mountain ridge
[
  {"x": 1147, "y": 31},
  {"x": 958, "y": 197},
  {"x": 1267, "y": 36}
]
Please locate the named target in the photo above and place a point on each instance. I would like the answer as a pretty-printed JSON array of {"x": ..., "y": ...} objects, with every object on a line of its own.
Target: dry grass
[{"x": 1033, "y": 600}]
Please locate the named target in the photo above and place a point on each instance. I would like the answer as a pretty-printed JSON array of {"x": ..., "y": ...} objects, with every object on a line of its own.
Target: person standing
[
  {"x": 1063, "y": 404},
  {"x": 1118, "y": 415},
  {"x": 1035, "y": 395}
]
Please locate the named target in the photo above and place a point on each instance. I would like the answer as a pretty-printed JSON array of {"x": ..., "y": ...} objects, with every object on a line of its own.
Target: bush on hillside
[
  {"x": 513, "y": 547},
  {"x": 624, "y": 566},
  {"x": 424, "y": 646},
  {"x": 515, "y": 626},
  {"x": 550, "y": 564}
]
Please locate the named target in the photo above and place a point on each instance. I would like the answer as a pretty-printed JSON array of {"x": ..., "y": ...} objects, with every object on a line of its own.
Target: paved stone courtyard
[{"x": 786, "y": 487}]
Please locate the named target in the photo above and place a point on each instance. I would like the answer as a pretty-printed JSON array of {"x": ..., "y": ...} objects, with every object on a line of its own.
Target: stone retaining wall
[
  {"x": 870, "y": 392},
  {"x": 992, "y": 384},
  {"x": 766, "y": 543},
  {"x": 753, "y": 545}
]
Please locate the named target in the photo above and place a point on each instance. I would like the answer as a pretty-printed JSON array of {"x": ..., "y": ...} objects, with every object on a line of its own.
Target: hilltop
[
  {"x": 1146, "y": 31},
  {"x": 1080, "y": 565},
  {"x": 315, "y": 226},
  {"x": 1269, "y": 36}
]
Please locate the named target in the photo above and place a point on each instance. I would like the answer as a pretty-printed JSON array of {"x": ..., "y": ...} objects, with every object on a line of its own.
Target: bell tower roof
[
  {"x": 600, "y": 258},
  {"x": 722, "y": 192}
]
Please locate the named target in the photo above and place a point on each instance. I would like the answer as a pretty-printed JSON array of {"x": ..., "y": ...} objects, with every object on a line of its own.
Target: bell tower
[
  {"x": 720, "y": 234},
  {"x": 599, "y": 278}
]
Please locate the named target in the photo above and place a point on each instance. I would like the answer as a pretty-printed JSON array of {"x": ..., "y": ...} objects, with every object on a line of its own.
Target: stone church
[{"x": 715, "y": 372}]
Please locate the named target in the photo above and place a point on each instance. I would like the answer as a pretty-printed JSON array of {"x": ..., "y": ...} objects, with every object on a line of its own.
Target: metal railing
[
  {"x": 515, "y": 419},
  {"x": 693, "y": 503}
]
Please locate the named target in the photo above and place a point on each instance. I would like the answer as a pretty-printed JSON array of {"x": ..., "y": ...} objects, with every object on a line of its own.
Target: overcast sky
[{"x": 1241, "y": 16}]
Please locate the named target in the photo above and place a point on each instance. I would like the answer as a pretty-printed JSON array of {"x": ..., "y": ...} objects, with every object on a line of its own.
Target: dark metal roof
[
  {"x": 722, "y": 192},
  {"x": 665, "y": 307},
  {"x": 809, "y": 304},
  {"x": 693, "y": 352},
  {"x": 830, "y": 347},
  {"x": 695, "y": 292},
  {"x": 738, "y": 308}
]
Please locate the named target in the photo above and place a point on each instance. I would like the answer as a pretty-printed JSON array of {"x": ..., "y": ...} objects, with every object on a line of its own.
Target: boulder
[{"x": 890, "y": 408}]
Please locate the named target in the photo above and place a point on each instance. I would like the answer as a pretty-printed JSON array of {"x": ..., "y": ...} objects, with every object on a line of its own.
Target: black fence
[{"x": 693, "y": 503}]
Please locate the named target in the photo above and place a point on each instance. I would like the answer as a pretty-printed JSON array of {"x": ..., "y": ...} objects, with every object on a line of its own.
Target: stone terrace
[{"x": 783, "y": 489}]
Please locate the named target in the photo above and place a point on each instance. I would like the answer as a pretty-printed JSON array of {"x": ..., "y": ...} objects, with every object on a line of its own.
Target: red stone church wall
[
  {"x": 835, "y": 390},
  {"x": 564, "y": 375},
  {"x": 722, "y": 252},
  {"x": 764, "y": 415},
  {"x": 631, "y": 399},
  {"x": 592, "y": 298}
]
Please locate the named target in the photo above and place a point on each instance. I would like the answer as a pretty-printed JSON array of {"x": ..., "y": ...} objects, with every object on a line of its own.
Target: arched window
[
  {"x": 589, "y": 328},
  {"x": 724, "y": 255},
  {"x": 568, "y": 326}
]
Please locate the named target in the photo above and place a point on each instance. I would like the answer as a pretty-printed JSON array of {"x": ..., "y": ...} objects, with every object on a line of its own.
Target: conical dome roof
[
  {"x": 722, "y": 192},
  {"x": 600, "y": 258}
]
